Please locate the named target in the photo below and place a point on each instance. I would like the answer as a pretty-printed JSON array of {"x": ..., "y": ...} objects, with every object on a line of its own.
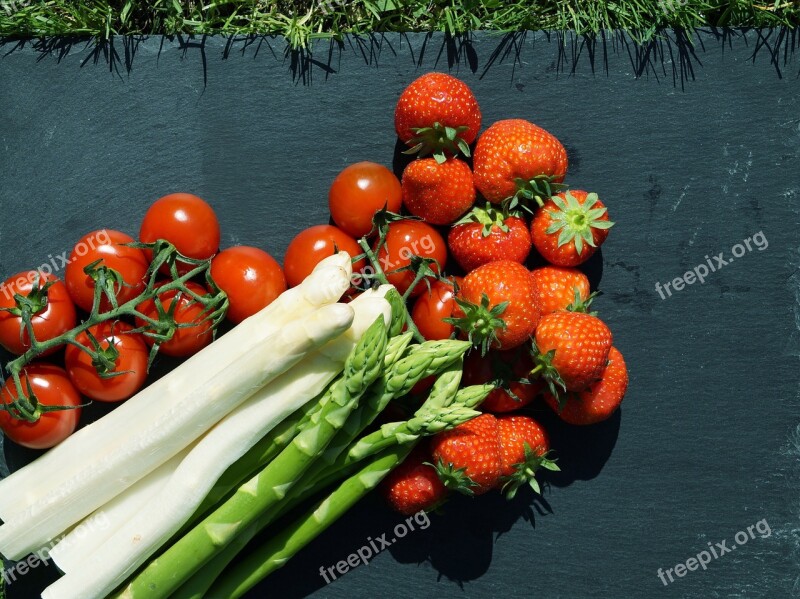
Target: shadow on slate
[
  {"x": 461, "y": 523},
  {"x": 672, "y": 54}
]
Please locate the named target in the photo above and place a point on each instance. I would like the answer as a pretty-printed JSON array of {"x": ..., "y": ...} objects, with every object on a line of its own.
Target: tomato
[
  {"x": 52, "y": 387},
  {"x": 186, "y": 340},
  {"x": 131, "y": 360},
  {"x": 55, "y": 314},
  {"x": 251, "y": 278},
  {"x": 314, "y": 244},
  {"x": 407, "y": 238},
  {"x": 432, "y": 307},
  {"x": 358, "y": 192},
  {"x": 185, "y": 221},
  {"x": 105, "y": 245},
  {"x": 508, "y": 368}
]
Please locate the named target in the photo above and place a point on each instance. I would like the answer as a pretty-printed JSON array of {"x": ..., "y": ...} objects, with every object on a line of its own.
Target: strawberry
[
  {"x": 485, "y": 235},
  {"x": 571, "y": 350},
  {"x": 558, "y": 287},
  {"x": 600, "y": 400},
  {"x": 437, "y": 114},
  {"x": 468, "y": 457},
  {"x": 499, "y": 305},
  {"x": 507, "y": 369},
  {"x": 413, "y": 485},
  {"x": 516, "y": 160},
  {"x": 524, "y": 447},
  {"x": 570, "y": 227},
  {"x": 438, "y": 192}
]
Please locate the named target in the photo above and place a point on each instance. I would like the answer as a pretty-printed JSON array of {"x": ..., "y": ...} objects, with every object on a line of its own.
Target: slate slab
[{"x": 695, "y": 148}]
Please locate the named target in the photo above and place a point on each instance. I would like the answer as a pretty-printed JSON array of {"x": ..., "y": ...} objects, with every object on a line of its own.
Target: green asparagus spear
[{"x": 283, "y": 546}]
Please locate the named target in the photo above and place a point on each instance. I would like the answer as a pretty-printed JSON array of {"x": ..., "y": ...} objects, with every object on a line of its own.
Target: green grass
[{"x": 304, "y": 20}]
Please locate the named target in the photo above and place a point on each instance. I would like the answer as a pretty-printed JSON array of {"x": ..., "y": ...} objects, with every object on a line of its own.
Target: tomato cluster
[{"x": 117, "y": 364}]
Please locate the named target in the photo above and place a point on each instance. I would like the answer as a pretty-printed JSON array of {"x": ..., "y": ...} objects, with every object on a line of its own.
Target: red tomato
[
  {"x": 313, "y": 245},
  {"x": 251, "y": 278},
  {"x": 186, "y": 340},
  {"x": 432, "y": 307},
  {"x": 358, "y": 192},
  {"x": 52, "y": 387},
  {"x": 187, "y": 222},
  {"x": 407, "y": 238},
  {"x": 507, "y": 367},
  {"x": 131, "y": 360},
  {"x": 105, "y": 245},
  {"x": 54, "y": 317}
]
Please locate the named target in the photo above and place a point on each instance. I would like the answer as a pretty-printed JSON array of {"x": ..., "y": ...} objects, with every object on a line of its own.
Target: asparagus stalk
[
  {"x": 275, "y": 552},
  {"x": 424, "y": 360},
  {"x": 165, "y": 574},
  {"x": 427, "y": 421}
]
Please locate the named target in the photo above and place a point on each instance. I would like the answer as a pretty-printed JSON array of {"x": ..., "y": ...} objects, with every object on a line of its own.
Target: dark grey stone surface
[{"x": 694, "y": 149}]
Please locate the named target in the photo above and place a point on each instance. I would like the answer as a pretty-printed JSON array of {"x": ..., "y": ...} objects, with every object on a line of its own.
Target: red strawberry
[
  {"x": 516, "y": 159},
  {"x": 515, "y": 431},
  {"x": 437, "y": 113},
  {"x": 572, "y": 350},
  {"x": 600, "y": 400},
  {"x": 570, "y": 227},
  {"x": 557, "y": 287},
  {"x": 523, "y": 451},
  {"x": 507, "y": 368},
  {"x": 438, "y": 192},
  {"x": 499, "y": 305},
  {"x": 414, "y": 485},
  {"x": 485, "y": 235},
  {"x": 468, "y": 457}
]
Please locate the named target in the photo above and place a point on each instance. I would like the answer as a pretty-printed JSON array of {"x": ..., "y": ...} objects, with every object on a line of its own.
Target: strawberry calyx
[
  {"x": 453, "y": 478},
  {"x": 439, "y": 140},
  {"x": 538, "y": 189},
  {"x": 574, "y": 221},
  {"x": 583, "y": 305},
  {"x": 525, "y": 472},
  {"x": 543, "y": 369},
  {"x": 488, "y": 217},
  {"x": 480, "y": 321}
]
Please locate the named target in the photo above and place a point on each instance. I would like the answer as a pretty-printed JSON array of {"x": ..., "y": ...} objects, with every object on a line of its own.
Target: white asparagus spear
[
  {"x": 197, "y": 400},
  {"x": 126, "y": 549},
  {"x": 78, "y": 544},
  {"x": 21, "y": 489}
]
